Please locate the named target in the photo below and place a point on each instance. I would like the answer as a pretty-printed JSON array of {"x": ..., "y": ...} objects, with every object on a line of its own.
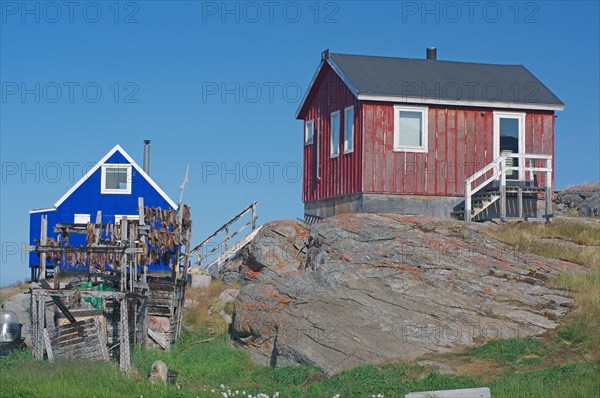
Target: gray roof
[{"x": 443, "y": 82}]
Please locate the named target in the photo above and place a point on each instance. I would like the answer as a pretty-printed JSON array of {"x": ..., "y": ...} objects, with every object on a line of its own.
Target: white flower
[
  {"x": 213, "y": 390},
  {"x": 222, "y": 387}
]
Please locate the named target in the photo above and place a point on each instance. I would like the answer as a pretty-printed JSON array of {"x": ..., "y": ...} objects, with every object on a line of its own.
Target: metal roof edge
[{"x": 485, "y": 104}]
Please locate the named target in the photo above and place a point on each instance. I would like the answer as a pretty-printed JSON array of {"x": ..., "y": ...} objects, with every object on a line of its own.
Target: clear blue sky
[{"x": 78, "y": 79}]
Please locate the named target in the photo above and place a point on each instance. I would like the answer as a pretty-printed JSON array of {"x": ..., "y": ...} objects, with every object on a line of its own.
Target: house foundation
[{"x": 434, "y": 206}]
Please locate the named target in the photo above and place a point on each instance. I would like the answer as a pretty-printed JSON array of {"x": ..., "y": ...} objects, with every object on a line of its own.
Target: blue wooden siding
[{"x": 88, "y": 199}]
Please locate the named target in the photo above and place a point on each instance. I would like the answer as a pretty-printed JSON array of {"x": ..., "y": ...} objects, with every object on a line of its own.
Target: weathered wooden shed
[{"x": 425, "y": 136}]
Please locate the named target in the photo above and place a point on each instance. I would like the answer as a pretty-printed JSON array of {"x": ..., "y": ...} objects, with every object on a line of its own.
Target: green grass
[
  {"x": 510, "y": 350},
  {"x": 562, "y": 366},
  {"x": 581, "y": 240},
  {"x": 207, "y": 365}
]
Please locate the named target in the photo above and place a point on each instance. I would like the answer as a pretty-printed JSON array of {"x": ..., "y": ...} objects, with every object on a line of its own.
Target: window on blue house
[{"x": 116, "y": 178}]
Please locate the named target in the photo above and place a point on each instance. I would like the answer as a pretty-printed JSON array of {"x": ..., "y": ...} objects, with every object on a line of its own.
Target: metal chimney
[
  {"x": 431, "y": 53},
  {"x": 147, "y": 156}
]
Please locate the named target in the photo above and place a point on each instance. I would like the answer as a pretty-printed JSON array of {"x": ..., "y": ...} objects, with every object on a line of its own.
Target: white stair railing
[{"x": 498, "y": 167}]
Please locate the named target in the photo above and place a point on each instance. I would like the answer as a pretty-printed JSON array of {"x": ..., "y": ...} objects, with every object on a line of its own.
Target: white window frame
[
  {"x": 310, "y": 126},
  {"x": 508, "y": 115},
  {"x": 81, "y": 218},
  {"x": 333, "y": 154},
  {"x": 424, "y": 128},
  {"x": 130, "y": 217},
  {"x": 318, "y": 150},
  {"x": 105, "y": 190},
  {"x": 520, "y": 116},
  {"x": 348, "y": 144}
]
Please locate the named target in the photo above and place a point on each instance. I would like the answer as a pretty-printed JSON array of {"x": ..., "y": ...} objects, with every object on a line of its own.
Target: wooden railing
[
  {"x": 498, "y": 169},
  {"x": 204, "y": 253}
]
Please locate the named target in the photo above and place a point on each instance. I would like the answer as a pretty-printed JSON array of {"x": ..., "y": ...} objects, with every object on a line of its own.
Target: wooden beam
[
  {"x": 48, "y": 346},
  {"x": 82, "y": 249},
  {"x": 43, "y": 242},
  {"x": 58, "y": 302},
  {"x": 124, "y": 353},
  {"x": 159, "y": 339}
]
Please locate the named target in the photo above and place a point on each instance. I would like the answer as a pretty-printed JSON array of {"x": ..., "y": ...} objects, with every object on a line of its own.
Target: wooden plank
[
  {"x": 124, "y": 353},
  {"x": 162, "y": 287},
  {"x": 80, "y": 350},
  {"x": 161, "y": 302},
  {"x": 43, "y": 242},
  {"x": 160, "y": 311},
  {"x": 48, "y": 346},
  {"x": 159, "y": 339},
  {"x": 58, "y": 302},
  {"x": 162, "y": 293}
]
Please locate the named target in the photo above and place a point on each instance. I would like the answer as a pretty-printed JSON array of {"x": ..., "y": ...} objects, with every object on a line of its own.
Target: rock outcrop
[
  {"x": 582, "y": 200},
  {"x": 376, "y": 287},
  {"x": 274, "y": 251}
]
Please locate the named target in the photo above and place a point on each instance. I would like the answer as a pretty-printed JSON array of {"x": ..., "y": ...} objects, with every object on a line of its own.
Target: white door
[{"x": 509, "y": 137}]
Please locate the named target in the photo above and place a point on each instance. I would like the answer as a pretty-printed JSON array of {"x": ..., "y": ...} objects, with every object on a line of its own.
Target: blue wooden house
[{"x": 113, "y": 187}]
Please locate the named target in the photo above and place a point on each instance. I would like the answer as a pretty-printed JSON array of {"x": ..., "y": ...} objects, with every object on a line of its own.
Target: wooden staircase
[
  {"x": 480, "y": 203},
  {"x": 492, "y": 187},
  {"x": 222, "y": 245}
]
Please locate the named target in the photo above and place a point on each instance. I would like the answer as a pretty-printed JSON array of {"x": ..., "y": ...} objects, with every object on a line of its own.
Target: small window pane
[
  {"x": 335, "y": 133},
  {"x": 310, "y": 131},
  {"x": 349, "y": 130},
  {"x": 116, "y": 178},
  {"x": 81, "y": 219},
  {"x": 410, "y": 129}
]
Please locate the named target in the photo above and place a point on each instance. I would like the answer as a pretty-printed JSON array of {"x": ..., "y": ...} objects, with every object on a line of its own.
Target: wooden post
[
  {"x": 520, "y": 202},
  {"x": 98, "y": 227},
  {"x": 124, "y": 353},
  {"x": 226, "y": 237},
  {"x": 48, "y": 346},
  {"x": 43, "y": 242},
  {"x": 467, "y": 216},
  {"x": 253, "y": 216},
  {"x": 142, "y": 217},
  {"x": 124, "y": 257},
  {"x": 548, "y": 198},
  {"x": 38, "y": 319},
  {"x": 186, "y": 259},
  {"x": 503, "y": 189},
  {"x": 102, "y": 338},
  {"x": 34, "y": 325},
  {"x": 141, "y": 210}
]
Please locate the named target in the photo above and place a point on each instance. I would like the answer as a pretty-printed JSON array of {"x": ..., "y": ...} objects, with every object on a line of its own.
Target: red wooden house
[{"x": 424, "y": 136}]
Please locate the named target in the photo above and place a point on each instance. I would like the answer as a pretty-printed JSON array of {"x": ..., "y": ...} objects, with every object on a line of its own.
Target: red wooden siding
[
  {"x": 539, "y": 137},
  {"x": 460, "y": 142},
  {"x": 341, "y": 175}
]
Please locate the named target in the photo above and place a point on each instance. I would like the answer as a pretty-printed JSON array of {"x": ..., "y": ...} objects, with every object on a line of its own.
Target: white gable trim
[
  {"x": 337, "y": 70},
  {"x": 101, "y": 162},
  {"x": 42, "y": 210}
]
